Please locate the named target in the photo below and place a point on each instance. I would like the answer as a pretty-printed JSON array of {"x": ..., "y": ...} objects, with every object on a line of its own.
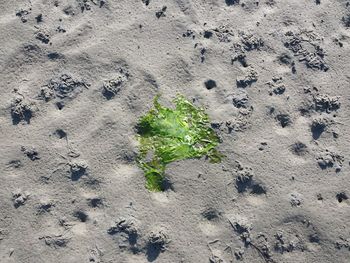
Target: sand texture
[{"x": 76, "y": 76}]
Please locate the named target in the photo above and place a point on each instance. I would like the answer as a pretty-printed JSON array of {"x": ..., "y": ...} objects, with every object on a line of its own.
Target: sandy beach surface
[{"x": 274, "y": 78}]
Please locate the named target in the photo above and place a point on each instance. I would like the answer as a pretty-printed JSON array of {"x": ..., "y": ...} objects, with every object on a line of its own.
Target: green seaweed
[{"x": 167, "y": 135}]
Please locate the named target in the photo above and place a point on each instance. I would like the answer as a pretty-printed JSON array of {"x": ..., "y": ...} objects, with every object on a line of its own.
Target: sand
[{"x": 274, "y": 77}]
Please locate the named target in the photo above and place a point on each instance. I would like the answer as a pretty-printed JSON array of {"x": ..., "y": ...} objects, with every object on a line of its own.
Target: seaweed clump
[{"x": 167, "y": 135}]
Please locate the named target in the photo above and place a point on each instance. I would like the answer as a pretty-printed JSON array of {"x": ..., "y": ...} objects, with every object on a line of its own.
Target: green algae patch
[{"x": 166, "y": 135}]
